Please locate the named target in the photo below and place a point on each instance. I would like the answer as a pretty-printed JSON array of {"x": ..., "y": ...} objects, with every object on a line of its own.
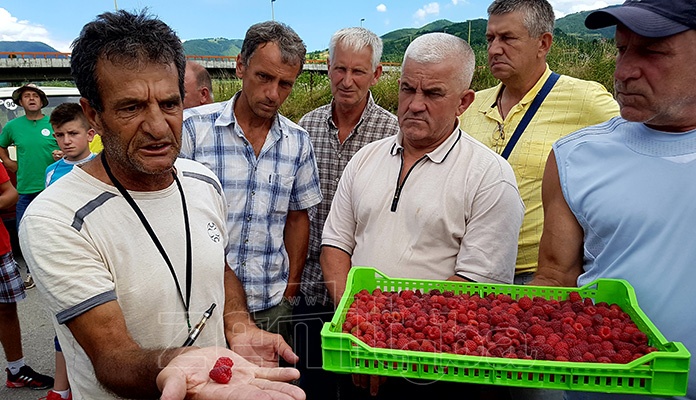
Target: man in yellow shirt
[{"x": 519, "y": 37}]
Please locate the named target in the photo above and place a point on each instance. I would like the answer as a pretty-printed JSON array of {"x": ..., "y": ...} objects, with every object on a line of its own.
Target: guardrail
[
  {"x": 33, "y": 54},
  {"x": 49, "y": 54},
  {"x": 19, "y": 66}
]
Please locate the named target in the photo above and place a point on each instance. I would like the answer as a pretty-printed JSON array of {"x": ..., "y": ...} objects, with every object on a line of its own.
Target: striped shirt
[
  {"x": 259, "y": 191},
  {"x": 332, "y": 156}
]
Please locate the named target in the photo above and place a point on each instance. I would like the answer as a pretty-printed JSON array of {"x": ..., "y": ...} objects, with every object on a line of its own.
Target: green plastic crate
[{"x": 661, "y": 373}]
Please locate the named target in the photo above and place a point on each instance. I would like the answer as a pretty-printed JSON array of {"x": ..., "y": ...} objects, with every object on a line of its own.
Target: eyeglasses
[{"x": 498, "y": 138}]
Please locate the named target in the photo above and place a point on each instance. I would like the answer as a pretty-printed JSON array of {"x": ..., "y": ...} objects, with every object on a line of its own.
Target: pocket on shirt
[{"x": 280, "y": 191}]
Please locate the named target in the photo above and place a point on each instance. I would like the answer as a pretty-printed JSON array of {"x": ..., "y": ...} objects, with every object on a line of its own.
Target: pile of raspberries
[{"x": 575, "y": 329}]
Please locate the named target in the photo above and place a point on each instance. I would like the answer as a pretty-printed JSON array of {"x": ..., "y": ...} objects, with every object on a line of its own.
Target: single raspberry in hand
[{"x": 224, "y": 361}]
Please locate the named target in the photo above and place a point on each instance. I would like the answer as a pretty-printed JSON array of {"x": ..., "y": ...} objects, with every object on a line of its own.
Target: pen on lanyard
[{"x": 199, "y": 327}]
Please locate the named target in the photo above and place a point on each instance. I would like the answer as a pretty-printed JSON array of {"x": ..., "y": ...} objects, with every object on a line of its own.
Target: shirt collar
[
  {"x": 227, "y": 118},
  {"x": 368, "y": 109},
  {"x": 439, "y": 154},
  {"x": 531, "y": 94}
]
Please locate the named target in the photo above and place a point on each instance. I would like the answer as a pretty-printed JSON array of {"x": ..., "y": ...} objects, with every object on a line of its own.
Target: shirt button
[
  {"x": 253, "y": 192},
  {"x": 336, "y": 179},
  {"x": 249, "y": 218}
]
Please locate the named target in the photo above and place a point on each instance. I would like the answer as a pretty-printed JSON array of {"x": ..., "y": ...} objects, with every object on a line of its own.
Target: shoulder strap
[{"x": 550, "y": 81}]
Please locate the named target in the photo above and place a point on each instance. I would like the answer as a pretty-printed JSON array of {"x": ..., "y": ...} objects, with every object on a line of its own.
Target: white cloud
[
  {"x": 565, "y": 7},
  {"x": 382, "y": 8},
  {"x": 455, "y": 2},
  {"x": 428, "y": 9},
  {"x": 13, "y": 29}
]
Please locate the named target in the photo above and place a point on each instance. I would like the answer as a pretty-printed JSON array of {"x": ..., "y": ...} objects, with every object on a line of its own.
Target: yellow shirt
[
  {"x": 95, "y": 146},
  {"x": 572, "y": 104}
]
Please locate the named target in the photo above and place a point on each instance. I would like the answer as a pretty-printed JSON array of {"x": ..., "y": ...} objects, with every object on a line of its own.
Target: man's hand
[
  {"x": 258, "y": 346},
  {"x": 371, "y": 382},
  {"x": 186, "y": 376}
]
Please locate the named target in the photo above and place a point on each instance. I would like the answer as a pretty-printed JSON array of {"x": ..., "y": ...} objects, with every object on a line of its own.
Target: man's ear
[
  {"x": 466, "y": 98},
  {"x": 90, "y": 134},
  {"x": 376, "y": 75},
  {"x": 239, "y": 68},
  {"x": 545, "y": 42},
  {"x": 91, "y": 114}
]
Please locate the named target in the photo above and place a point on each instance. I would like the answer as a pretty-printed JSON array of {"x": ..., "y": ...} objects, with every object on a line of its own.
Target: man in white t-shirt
[{"x": 129, "y": 248}]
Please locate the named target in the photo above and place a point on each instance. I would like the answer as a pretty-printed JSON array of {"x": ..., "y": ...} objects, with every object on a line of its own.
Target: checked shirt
[
  {"x": 259, "y": 192},
  {"x": 332, "y": 156}
]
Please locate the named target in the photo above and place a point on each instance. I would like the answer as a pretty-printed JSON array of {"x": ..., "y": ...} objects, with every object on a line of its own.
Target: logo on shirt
[
  {"x": 9, "y": 104},
  {"x": 213, "y": 232},
  {"x": 45, "y": 132}
]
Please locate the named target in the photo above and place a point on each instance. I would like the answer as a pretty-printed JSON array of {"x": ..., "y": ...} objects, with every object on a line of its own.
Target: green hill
[
  {"x": 213, "y": 47},
  {"x": 574, "y": 25}
]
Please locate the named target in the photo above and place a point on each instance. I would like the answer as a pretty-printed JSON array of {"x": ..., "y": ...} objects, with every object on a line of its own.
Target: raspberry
[
  {"x": 536, "y": 330},
  {"x": 589, "y": 357},
  {"x": 605, "y": 333},
  {"x": 525, "y": 303},
  {"x": 224, "y": 361},
  {"x": 639, "y": 338},
  {"x": 221, "y": 374},
  {"x": 574, "y": 297}
]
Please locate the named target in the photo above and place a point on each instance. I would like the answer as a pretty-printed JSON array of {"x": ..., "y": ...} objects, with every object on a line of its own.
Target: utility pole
[
  {"x": 116, "y": 5},
  {"x": 272, "y": 12},
  {"x": 468, "y": 40},
  {"x": 361, "y": 21}
]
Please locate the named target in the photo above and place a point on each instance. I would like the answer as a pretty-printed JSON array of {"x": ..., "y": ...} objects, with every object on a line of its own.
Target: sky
[{"x": 57, "y": 23}]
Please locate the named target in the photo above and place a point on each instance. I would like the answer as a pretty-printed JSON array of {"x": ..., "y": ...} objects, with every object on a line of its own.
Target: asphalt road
[{"x": 37, "y": 343}]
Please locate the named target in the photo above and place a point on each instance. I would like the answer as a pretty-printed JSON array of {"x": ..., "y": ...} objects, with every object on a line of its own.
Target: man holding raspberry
[
  {"x": 619, "y": 196},
  {"x": 129, "y": 248}
]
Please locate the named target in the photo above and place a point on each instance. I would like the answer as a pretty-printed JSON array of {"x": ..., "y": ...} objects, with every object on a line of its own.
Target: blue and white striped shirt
[{"x": 259, "y": 191}]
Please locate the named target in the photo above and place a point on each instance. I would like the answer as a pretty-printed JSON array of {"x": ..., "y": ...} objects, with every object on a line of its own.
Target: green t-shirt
[{"x": 34, "y": 142}]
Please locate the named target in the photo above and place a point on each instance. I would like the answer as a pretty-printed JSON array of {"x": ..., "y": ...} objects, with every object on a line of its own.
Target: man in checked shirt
[
  {"x": 266, "y": 165},
  {"x": 338, "y": 130}
]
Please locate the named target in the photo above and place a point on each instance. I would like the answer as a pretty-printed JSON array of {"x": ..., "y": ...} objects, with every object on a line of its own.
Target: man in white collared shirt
[{"x": 430, "y": 202}]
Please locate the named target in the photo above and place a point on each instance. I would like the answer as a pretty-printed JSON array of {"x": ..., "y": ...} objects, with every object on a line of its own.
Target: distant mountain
[
  {"x": 574, "y": 25},
  {"x": 571, "y": 26},
  {"x": 213, "y": 47},
  {"x": 25, "y": 46}
]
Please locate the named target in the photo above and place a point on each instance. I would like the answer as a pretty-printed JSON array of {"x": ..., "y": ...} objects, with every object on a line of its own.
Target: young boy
[
  {"x": 11, "y": 291},
  {"x": 73, "y": 134}
]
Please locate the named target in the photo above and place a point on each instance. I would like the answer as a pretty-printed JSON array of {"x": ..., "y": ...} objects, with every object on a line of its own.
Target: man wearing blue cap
[{"x": 619, "y": 196}]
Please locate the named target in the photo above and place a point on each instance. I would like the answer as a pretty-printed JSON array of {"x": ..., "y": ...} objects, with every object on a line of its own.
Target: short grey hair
[
  {"x": 538, "y": 16},
  {"x": 292, "y": 48},
  {"x": 433, "y": 48},
  {"x": 356, "y": 39}
]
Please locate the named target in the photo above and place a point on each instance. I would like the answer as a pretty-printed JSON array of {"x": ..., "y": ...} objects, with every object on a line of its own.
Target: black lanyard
[{"x": 154, "y": 238}]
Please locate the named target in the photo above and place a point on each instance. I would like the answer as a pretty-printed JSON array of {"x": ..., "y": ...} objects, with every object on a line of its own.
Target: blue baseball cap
[{"x": 649, "y": 18}]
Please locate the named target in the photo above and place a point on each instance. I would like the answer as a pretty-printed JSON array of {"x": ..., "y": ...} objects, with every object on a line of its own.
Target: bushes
[{"x": 575, "y": 57}]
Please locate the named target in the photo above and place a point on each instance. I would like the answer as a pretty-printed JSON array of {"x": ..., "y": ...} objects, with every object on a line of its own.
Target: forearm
[
  {"x": 335, "y": 265},
  {"x": 296, "y": 241},
  {"x": 236, "y": 315},
  {"x": 8, "y": 196},
  {"x": 133, "y": 373},
  {"x": 119, "y": 363},
  {"x": 9, "y": 164}
]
